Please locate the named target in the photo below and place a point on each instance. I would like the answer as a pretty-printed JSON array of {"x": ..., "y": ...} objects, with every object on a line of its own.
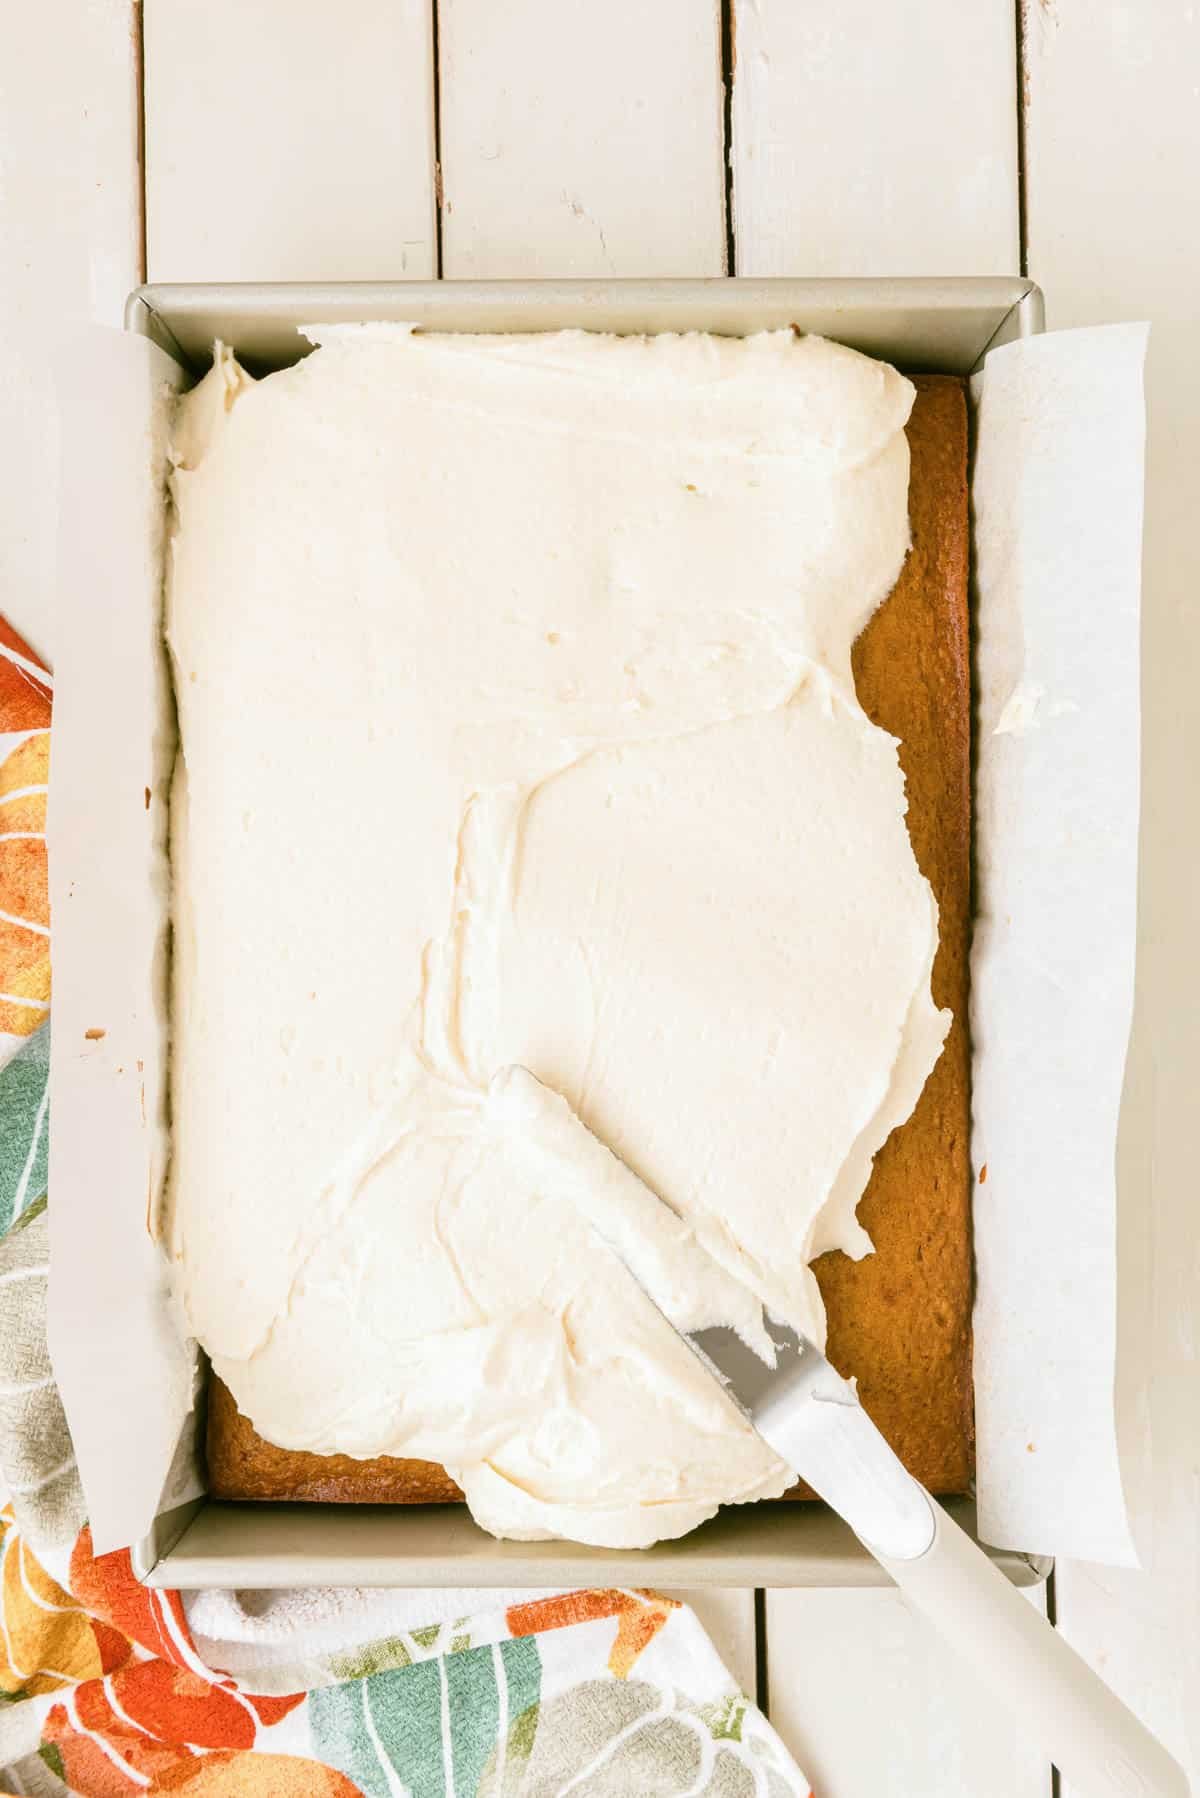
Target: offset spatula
[{"x": 811, "y": 1417}]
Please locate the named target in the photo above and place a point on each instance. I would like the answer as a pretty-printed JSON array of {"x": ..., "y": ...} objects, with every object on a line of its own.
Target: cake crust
[
  {"x": 900, "y": 1319},
  {"x": 242, "y": 1464}
]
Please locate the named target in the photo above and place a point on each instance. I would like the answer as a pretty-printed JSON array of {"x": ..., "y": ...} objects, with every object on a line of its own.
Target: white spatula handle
[
  {"x": 1093, "y": 1740},
  {"x": 813, "y": 1420}
]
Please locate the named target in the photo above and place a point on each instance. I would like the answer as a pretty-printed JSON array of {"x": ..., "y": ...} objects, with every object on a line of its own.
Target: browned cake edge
[
  {"x": 242, "y": 1464},
  {"x": 900, "y": 1320}
]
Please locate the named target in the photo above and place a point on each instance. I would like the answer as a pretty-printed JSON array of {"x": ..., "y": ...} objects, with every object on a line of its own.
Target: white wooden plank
[
  {"x": 289, "y": 140},
  {"x": 69, "y": 251},
  {"x": 870, "y": 1701},
  {"x": 875, "y": 140},
  {"x": 580, "y": 139},
  {"x": 1112, "y": 149},
  {"x": 1139, "y": 1630}
]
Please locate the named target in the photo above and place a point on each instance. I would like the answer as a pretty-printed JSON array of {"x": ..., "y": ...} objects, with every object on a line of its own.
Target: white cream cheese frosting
[{"x": 518, "y": 730}]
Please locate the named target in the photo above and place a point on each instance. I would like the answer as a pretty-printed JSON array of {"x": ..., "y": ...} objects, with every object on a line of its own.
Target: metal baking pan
[{"x": 943, "y": 325}]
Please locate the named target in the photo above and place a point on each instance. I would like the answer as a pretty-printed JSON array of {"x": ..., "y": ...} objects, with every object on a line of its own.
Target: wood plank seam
[
  {"x": 728, "y": 68},
  {"x": 762, "y": 1690},
  {"x": 1051, "y": 1594},
  {"x": 435, "y": 36},
  {"x": 138, "y": 38},
  {"x": 1021, "y": 27}
]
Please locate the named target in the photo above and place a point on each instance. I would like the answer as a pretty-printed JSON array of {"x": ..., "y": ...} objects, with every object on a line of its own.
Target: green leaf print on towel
[
  {"x": 23, "y": 1106},
  {"x": 428, "y": 1730}
]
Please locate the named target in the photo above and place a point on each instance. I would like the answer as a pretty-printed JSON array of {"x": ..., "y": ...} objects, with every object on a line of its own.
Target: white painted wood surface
[
  {"x": 1113, "y": 149},
  {"x": 288, "y": 138},
  {"x": 70, "y": 232},
  {"x": 581, "y": 139},
  {"x": 873, "y": 1706},
  {"x": 289, "y": 141},
  {"x": 875, "y": 139}
]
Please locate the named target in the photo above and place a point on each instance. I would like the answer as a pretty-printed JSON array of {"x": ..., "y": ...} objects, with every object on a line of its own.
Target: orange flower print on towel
[
  {"x": 25, "y": 684},
  {"x": 107, "y": 1586},
  {"x": 24, "y": 903},
  {"x": 163, "y": 1723},
  {"x": 182, "y": 1706},
  {"x": 256, "y": 1776},
  {"x": 24, "y": 906},
  {"x": 101, "y": 1757},
  {"x": 152, "y": 1726},
  {"x": 24, "y": 773},
  {"x": 152, "y": 1721},
  {"x": 179, "y": 1706},
  {"x": 640, "y": 1616},
  {"x": 48, "y": 1641}
]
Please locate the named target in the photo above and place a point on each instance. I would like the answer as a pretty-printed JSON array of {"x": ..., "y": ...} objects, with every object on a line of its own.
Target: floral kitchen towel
[
  {"x": 595, "y": 1693},
  {"x": 25, "y": 688},
  {"x": 106, "y": 1688}
]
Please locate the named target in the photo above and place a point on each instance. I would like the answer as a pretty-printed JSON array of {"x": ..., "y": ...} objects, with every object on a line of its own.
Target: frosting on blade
[
  {"x": 689, "y": 1287},
  {"x": 518, "y": 729}
]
